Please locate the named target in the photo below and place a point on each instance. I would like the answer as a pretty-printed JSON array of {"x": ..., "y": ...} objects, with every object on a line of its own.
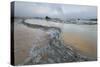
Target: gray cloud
[{"x": 25, "y": 9}]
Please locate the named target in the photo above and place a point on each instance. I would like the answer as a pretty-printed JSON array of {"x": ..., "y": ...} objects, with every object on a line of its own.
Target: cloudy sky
[{"x": 30, "y": 9}]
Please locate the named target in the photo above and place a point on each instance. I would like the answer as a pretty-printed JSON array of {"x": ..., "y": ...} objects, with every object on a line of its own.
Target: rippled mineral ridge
[{"x": 54, "y": 51}]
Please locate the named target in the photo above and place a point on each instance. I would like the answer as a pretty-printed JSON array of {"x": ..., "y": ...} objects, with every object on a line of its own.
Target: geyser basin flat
[{"x": 46, "y": 33}]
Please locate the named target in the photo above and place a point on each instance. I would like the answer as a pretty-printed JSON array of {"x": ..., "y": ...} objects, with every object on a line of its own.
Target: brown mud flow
[{"x": 82, "y": 45}]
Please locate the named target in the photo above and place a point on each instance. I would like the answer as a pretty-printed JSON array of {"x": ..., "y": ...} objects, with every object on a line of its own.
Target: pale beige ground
[{"x": 24, "y": 39}]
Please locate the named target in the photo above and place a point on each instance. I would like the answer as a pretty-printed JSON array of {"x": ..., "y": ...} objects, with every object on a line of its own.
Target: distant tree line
[{"x": 93, "y": 19}]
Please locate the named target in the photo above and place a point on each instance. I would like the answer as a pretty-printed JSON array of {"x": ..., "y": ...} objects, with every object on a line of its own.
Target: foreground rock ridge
[{"x": 53, "y": 52}]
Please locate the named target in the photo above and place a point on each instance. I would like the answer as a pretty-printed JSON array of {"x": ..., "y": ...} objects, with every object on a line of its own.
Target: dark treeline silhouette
[{"x": 93, "y": 19}]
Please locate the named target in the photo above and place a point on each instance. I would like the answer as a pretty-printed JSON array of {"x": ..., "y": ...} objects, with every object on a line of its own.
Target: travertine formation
[{"x": 54, "y": 51}]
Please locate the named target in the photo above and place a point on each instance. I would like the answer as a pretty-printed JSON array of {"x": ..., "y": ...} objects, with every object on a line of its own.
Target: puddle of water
[{"x": 81, "y": 37}]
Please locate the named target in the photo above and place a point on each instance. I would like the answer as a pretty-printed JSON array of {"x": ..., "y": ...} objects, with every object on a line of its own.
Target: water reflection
[{"x": 81, "y": 37}]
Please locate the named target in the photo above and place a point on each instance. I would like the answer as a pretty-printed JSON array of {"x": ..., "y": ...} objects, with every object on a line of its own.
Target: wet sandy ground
[
  {"x": 82, "y": 45},
  {"x": 81, "y": 37},
  {"x": 25, "y": 37}
]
